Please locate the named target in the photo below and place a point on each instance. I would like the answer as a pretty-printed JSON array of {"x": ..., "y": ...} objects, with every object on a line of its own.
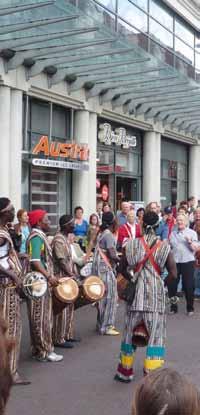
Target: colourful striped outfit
[{"x": 148, "y": 306}]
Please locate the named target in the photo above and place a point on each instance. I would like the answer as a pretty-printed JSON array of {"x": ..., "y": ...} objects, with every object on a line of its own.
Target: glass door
[{"x": 127, "y": 188}]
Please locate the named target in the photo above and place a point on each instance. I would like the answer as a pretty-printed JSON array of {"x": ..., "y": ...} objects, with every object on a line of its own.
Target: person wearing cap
[
  {"x": 146, "y": 257},
  {"x": 169, "y": 220},
  {"x": 104, "y": 261},
  {"x": 64, "y": 267},
  {"x": 40, "y": 312}
]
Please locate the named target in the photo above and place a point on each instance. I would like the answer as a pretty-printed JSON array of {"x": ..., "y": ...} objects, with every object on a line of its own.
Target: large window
[
  {"x": 142, "y": 20},
  {"x": 44, "y": 187},
  {"x": 174, "y": 177}
]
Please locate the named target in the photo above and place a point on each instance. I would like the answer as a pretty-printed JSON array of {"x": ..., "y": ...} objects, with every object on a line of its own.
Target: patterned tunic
[
  {"x": 40, "y": 311},
  {"x": 150, "y": 295},
  {"x": 63, "y": 322},
  {"x": 147, "y": 308},
  {"x": 107, "y": 307},
  {"x": 10, "y": 301}
]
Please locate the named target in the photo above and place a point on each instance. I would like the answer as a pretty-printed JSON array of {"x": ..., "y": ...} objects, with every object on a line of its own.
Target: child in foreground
[{"x": 166, "y": 392}]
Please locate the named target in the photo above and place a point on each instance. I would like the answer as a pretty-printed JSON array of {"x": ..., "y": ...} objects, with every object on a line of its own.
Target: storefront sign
[
  {"x": 119, "y": 137},
  {"x": 60, "y": 164},
  {"x": 70, "y": 151}
]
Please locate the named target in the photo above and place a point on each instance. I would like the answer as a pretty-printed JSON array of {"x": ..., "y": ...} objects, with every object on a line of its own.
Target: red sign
[{"x": 66, "y": 150}]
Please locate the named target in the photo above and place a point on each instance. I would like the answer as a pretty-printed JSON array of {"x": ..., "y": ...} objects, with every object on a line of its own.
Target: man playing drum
[
  {"x": 146, "y": 256},
  {"x": 10, "y": 283},
  {"x": 64, "y": 267},
  {"x": 40, "y": 310}
]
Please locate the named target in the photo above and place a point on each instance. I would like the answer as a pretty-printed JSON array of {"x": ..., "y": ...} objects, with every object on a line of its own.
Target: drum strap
[{"x": 149, "y": 256}]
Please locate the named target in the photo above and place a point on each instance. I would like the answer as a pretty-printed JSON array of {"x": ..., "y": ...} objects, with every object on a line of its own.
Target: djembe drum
[
  {"x": 91, "y": 290},
  {"x": 140, "y": 336},
  {"x": 65, "y": 293}
]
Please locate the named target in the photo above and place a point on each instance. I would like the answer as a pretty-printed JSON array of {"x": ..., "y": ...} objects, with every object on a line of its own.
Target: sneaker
[
  {"x": 119, "y": 379},
  {"x": 54, "y": 357},
  {"x": 190, "y": 313},
  {"x": 111, "y": 332}
]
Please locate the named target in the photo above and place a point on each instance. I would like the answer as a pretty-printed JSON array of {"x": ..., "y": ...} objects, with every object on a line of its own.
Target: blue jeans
[{"x": 197, "y": 281}]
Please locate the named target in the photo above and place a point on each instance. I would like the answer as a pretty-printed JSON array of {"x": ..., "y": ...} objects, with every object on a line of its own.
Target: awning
[{"x": 72, "y": 44}]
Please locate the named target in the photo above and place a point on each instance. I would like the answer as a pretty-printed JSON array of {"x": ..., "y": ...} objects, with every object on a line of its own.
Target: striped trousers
[
  {"x": 41, "y": 324},
  {"x": 156, "y": 327},
  {"x": 10, "y": 309},
  {"x": 107, "y": 307},
  {"x": 63, "y": 325}
]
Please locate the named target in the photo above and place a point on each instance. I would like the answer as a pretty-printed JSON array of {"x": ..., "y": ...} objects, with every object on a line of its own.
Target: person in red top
[
  {"x": 170, "y": 220},
  {"x": 129, "y": 230}
]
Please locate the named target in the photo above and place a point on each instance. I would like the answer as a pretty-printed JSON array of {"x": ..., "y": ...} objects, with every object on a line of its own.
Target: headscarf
[
  {"x": 107, "y": 220},
  {"x": 35, "y": 216}
]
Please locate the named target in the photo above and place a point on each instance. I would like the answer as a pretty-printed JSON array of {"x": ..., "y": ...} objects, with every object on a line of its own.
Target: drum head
[
  {"x": 35, "y": 285},
  {"x": 93, "y": 288},
  {"x": 67, "y": 291}
]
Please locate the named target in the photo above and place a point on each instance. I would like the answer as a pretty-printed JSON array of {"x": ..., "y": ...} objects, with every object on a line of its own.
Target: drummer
[
  {"x": 64, "y": 267},
  {"x": 40, "y": 311},
  {"x": 147, "y": 256},
  {"x": 10, "y": 275}
]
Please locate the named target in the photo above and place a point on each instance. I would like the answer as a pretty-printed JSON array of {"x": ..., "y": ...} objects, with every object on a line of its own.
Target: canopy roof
[{"x": 71, "y": 44}]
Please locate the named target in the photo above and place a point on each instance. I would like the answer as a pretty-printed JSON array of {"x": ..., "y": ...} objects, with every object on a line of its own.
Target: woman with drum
[
  {"x": 40, "y": 310},
  {"x": 10, "y": 284},
  {"x": 64, "y": 269},
  {"x": 105, "y": 259}
]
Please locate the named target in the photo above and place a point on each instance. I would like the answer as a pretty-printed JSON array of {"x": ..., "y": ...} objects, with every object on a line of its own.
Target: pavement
[{"x": 83, "y": 382}]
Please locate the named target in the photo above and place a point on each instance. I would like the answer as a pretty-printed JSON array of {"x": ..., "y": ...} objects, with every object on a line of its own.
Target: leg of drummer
[
  {"x": 155, "y": 353},
  {"x": 10, "y": 303},
  {"x": 62, "y": 327},
  {"x": 69, "y": 326},
  {"x": 107, "y": 307},
  {"x": 41, "y": 324},
  {"x": 127, "y": 352}
]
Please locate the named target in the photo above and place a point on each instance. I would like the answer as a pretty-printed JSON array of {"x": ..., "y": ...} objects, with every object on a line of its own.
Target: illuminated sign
[
  {"x": 119, "y": 137},
  {"x": 71, "y": 151}
]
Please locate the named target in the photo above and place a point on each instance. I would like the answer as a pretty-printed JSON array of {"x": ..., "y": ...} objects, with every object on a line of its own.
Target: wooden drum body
[
  {"x": 121, "y": 286},
  {"x": 65, "y": 293},
  {"x": 92, "y": 289}
]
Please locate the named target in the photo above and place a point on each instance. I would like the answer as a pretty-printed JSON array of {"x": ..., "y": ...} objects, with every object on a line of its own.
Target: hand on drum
[
  {"x": 53, "y": 281},
  {"x": 18, "y": 283}
]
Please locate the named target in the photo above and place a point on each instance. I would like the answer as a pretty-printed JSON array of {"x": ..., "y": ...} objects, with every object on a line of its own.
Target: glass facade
[
  {"x": 43, "y": 187},
  {"x": 154, "y": 27},
  {"x": 119, "y": 170},
  {"x": 174, "y": 174}
]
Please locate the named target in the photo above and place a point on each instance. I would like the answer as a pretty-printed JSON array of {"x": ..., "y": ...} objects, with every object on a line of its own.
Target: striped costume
[
  {"x": 107, "y": 307},
  {"x": 40, "y": 310},
  {"x": 148, "y": 306},
  {"x": 62, "y": 322},
  {"x": 9, "y": 298}
]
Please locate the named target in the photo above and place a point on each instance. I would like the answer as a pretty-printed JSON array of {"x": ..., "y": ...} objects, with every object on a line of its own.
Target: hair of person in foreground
[
  {"x": 166, "y": 392},
  {"x": 5, "y": 374}
]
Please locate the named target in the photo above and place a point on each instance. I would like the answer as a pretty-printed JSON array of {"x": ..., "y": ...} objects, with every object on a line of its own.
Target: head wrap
[
  {"x": 108, "y": 218},
  {"x": 151, "y": 220},
  {"x": 35, "y": 216},
  {"x": 5, "y": 204},
  {"x": 66, "y": 220}
]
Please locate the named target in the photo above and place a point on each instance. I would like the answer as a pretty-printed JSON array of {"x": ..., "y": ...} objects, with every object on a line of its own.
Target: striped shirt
[{"x": 150, "y": 295}]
